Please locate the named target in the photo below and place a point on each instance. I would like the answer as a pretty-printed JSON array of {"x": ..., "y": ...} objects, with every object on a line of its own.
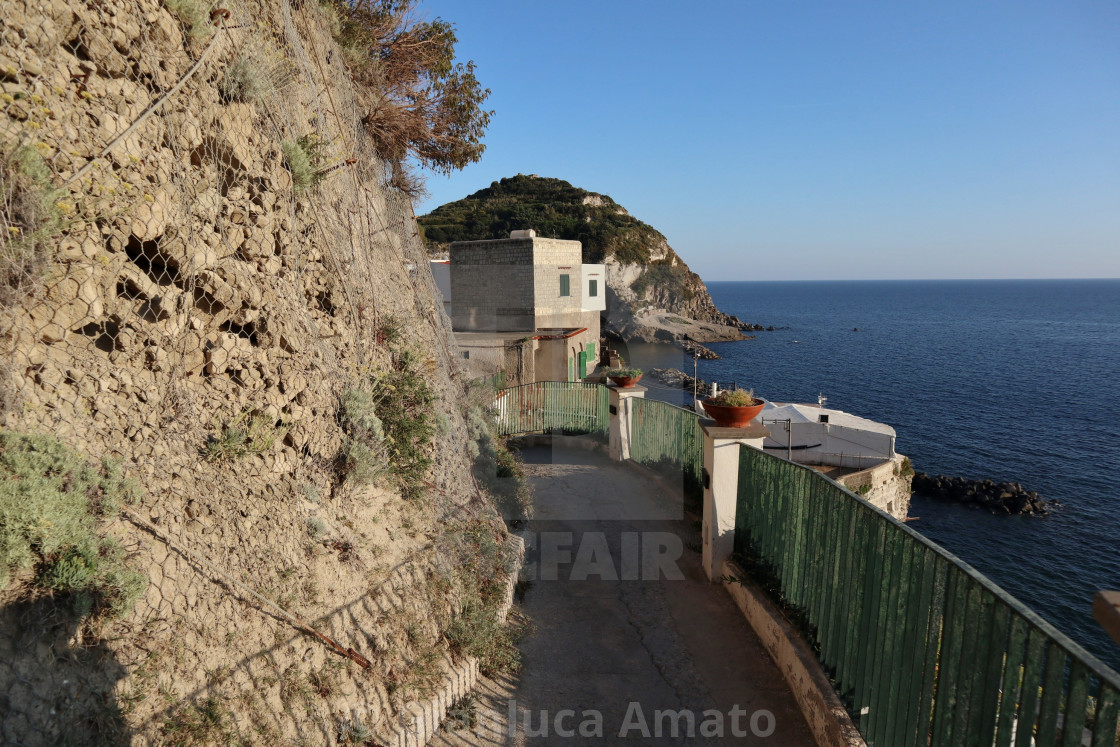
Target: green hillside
[{"x": 552, "y": 207}]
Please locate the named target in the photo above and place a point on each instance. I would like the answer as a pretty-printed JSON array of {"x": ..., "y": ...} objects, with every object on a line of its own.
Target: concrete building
[{"x": 526, "y": 306}]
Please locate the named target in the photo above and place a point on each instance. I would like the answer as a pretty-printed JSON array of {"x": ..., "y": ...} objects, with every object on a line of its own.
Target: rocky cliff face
[
  {"x": 189, "y": 297},
  {"x": 646, "y": 280}
]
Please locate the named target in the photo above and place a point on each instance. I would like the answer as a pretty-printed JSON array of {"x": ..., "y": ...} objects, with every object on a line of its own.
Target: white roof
[{"x": 812, "y": 413}]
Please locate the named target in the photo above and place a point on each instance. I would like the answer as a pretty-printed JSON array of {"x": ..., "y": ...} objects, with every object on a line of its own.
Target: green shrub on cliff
[
  {"x": 496, "y": 469},
  {"x": 194, "y": 14},
  {"x": 29, "y": 217},
  {"x": 304, "y": 158},
  {"x": 482, "y": 565},
  {"x": 249, "y": 433},
  {"x": 404, "y": 405},
  {"x": 52, "y": 507},
  {"x": 389, "y": 423},
  {"x": 675, "y": 280},
  {"x": 256, "y": 75}
]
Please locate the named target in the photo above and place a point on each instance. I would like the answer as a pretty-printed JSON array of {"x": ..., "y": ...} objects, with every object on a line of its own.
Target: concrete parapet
[
  {"x": 721, "y": 489},
  {"x": 620, "y": 426}
]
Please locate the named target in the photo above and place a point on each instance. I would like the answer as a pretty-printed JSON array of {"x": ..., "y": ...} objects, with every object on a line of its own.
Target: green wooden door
[{"x": 583, "y": 364}]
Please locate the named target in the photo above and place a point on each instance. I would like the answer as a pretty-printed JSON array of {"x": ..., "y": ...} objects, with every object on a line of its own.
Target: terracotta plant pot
[
  {"x": 733, "y": 417},
  {"x": 625, "y": 382}
]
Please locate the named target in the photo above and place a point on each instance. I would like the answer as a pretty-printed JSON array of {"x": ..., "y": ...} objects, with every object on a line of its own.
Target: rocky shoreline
[
  {"x": 697, "y": 350},
  {"x": 679, "y": 379},
  {"x": 1001, "y": 498}
]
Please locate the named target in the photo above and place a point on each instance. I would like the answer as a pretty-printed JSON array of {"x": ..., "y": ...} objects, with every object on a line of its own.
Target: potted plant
[
  {"x": 734, "y": 409},
  {"x": 624, "y": 378}
]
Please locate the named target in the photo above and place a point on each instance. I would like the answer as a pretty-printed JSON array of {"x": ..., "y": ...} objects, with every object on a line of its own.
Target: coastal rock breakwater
[{"x": 1005, "y": 498}]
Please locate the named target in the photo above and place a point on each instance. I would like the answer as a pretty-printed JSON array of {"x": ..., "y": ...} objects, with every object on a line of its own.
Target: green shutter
[
  {"x": 565, "y": 285},
  {"x": 583, "y": 364}
]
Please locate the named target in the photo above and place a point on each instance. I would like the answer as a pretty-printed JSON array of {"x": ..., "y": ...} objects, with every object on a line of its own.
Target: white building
[
  {"x": 810, "y": 434},
  {"x": 856, "y": 452}
]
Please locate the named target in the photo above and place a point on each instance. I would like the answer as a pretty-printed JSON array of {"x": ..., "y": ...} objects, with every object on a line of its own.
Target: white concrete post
[
  {"x": 619, "y": 444},
  {"x": 721, "y": 489}
]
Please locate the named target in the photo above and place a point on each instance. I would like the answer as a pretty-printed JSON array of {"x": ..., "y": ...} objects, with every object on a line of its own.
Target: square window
[{"x": 565, "y": 285}]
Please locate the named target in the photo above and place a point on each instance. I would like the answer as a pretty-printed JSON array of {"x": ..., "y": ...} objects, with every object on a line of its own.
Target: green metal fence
[
  {"x": 571, "y": 407},
  {"x": 494, "y": 381},
  {"x": 923, "y": 649},
  {"x": 662, "y": 435}
]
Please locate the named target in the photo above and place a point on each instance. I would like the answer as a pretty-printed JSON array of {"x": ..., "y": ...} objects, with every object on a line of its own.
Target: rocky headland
[{"x": 652, "y": 295}]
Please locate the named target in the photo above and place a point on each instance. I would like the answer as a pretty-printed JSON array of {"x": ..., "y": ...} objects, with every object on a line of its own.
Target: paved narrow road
[{"x": 630, "y": 642}]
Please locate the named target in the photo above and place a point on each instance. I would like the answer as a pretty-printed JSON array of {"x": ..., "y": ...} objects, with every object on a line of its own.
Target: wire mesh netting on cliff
[{"x": 201, "y": 252}]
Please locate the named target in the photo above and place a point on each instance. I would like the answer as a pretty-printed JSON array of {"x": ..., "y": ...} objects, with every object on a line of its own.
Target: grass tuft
[
  {"x": 256, "y": 76},
  {"x": 250, "y": 433},
  {"x": 206, "y": 722},
  {"x": 353, "y": 731}
]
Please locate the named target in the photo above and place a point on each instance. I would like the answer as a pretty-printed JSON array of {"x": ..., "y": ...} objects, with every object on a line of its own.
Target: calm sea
[{"x": 1009, "y": 380}]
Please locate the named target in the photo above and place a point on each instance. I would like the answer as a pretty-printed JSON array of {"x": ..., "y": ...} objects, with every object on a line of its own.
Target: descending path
[{"x": 608, "y": 654}]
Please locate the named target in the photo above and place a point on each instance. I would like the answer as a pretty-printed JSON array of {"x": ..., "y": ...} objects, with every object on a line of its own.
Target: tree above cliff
[
  {"x": 554, "y": 209},
  {"x": 421, "y": 101}
]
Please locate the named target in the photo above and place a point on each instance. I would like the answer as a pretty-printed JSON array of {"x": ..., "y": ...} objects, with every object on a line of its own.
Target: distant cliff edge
[{"x": 651, "y": 293}]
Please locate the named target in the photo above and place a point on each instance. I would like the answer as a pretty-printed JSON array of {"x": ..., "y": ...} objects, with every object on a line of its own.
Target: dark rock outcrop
[{"x": 1003, "y": 498}]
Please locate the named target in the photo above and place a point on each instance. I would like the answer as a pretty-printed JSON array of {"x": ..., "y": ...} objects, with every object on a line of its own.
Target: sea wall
[{"x": 885, "y": 486}]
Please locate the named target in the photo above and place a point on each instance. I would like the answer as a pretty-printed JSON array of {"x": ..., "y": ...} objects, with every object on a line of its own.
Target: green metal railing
[
  {"x": 663, "y": 435},
  {"x": 571, "y": 407},
  {"x": 923, "y": 649},
  {"x": 494, "y": 381}
]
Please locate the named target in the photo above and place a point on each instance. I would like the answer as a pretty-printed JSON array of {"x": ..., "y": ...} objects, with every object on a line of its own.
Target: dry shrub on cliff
[
  {"x": 30, "y": 216},
  {"x": 421, "y": 102}
]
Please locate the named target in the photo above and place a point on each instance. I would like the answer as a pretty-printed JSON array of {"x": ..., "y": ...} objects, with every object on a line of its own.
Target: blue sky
[{"x": 785, "y": 140}]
